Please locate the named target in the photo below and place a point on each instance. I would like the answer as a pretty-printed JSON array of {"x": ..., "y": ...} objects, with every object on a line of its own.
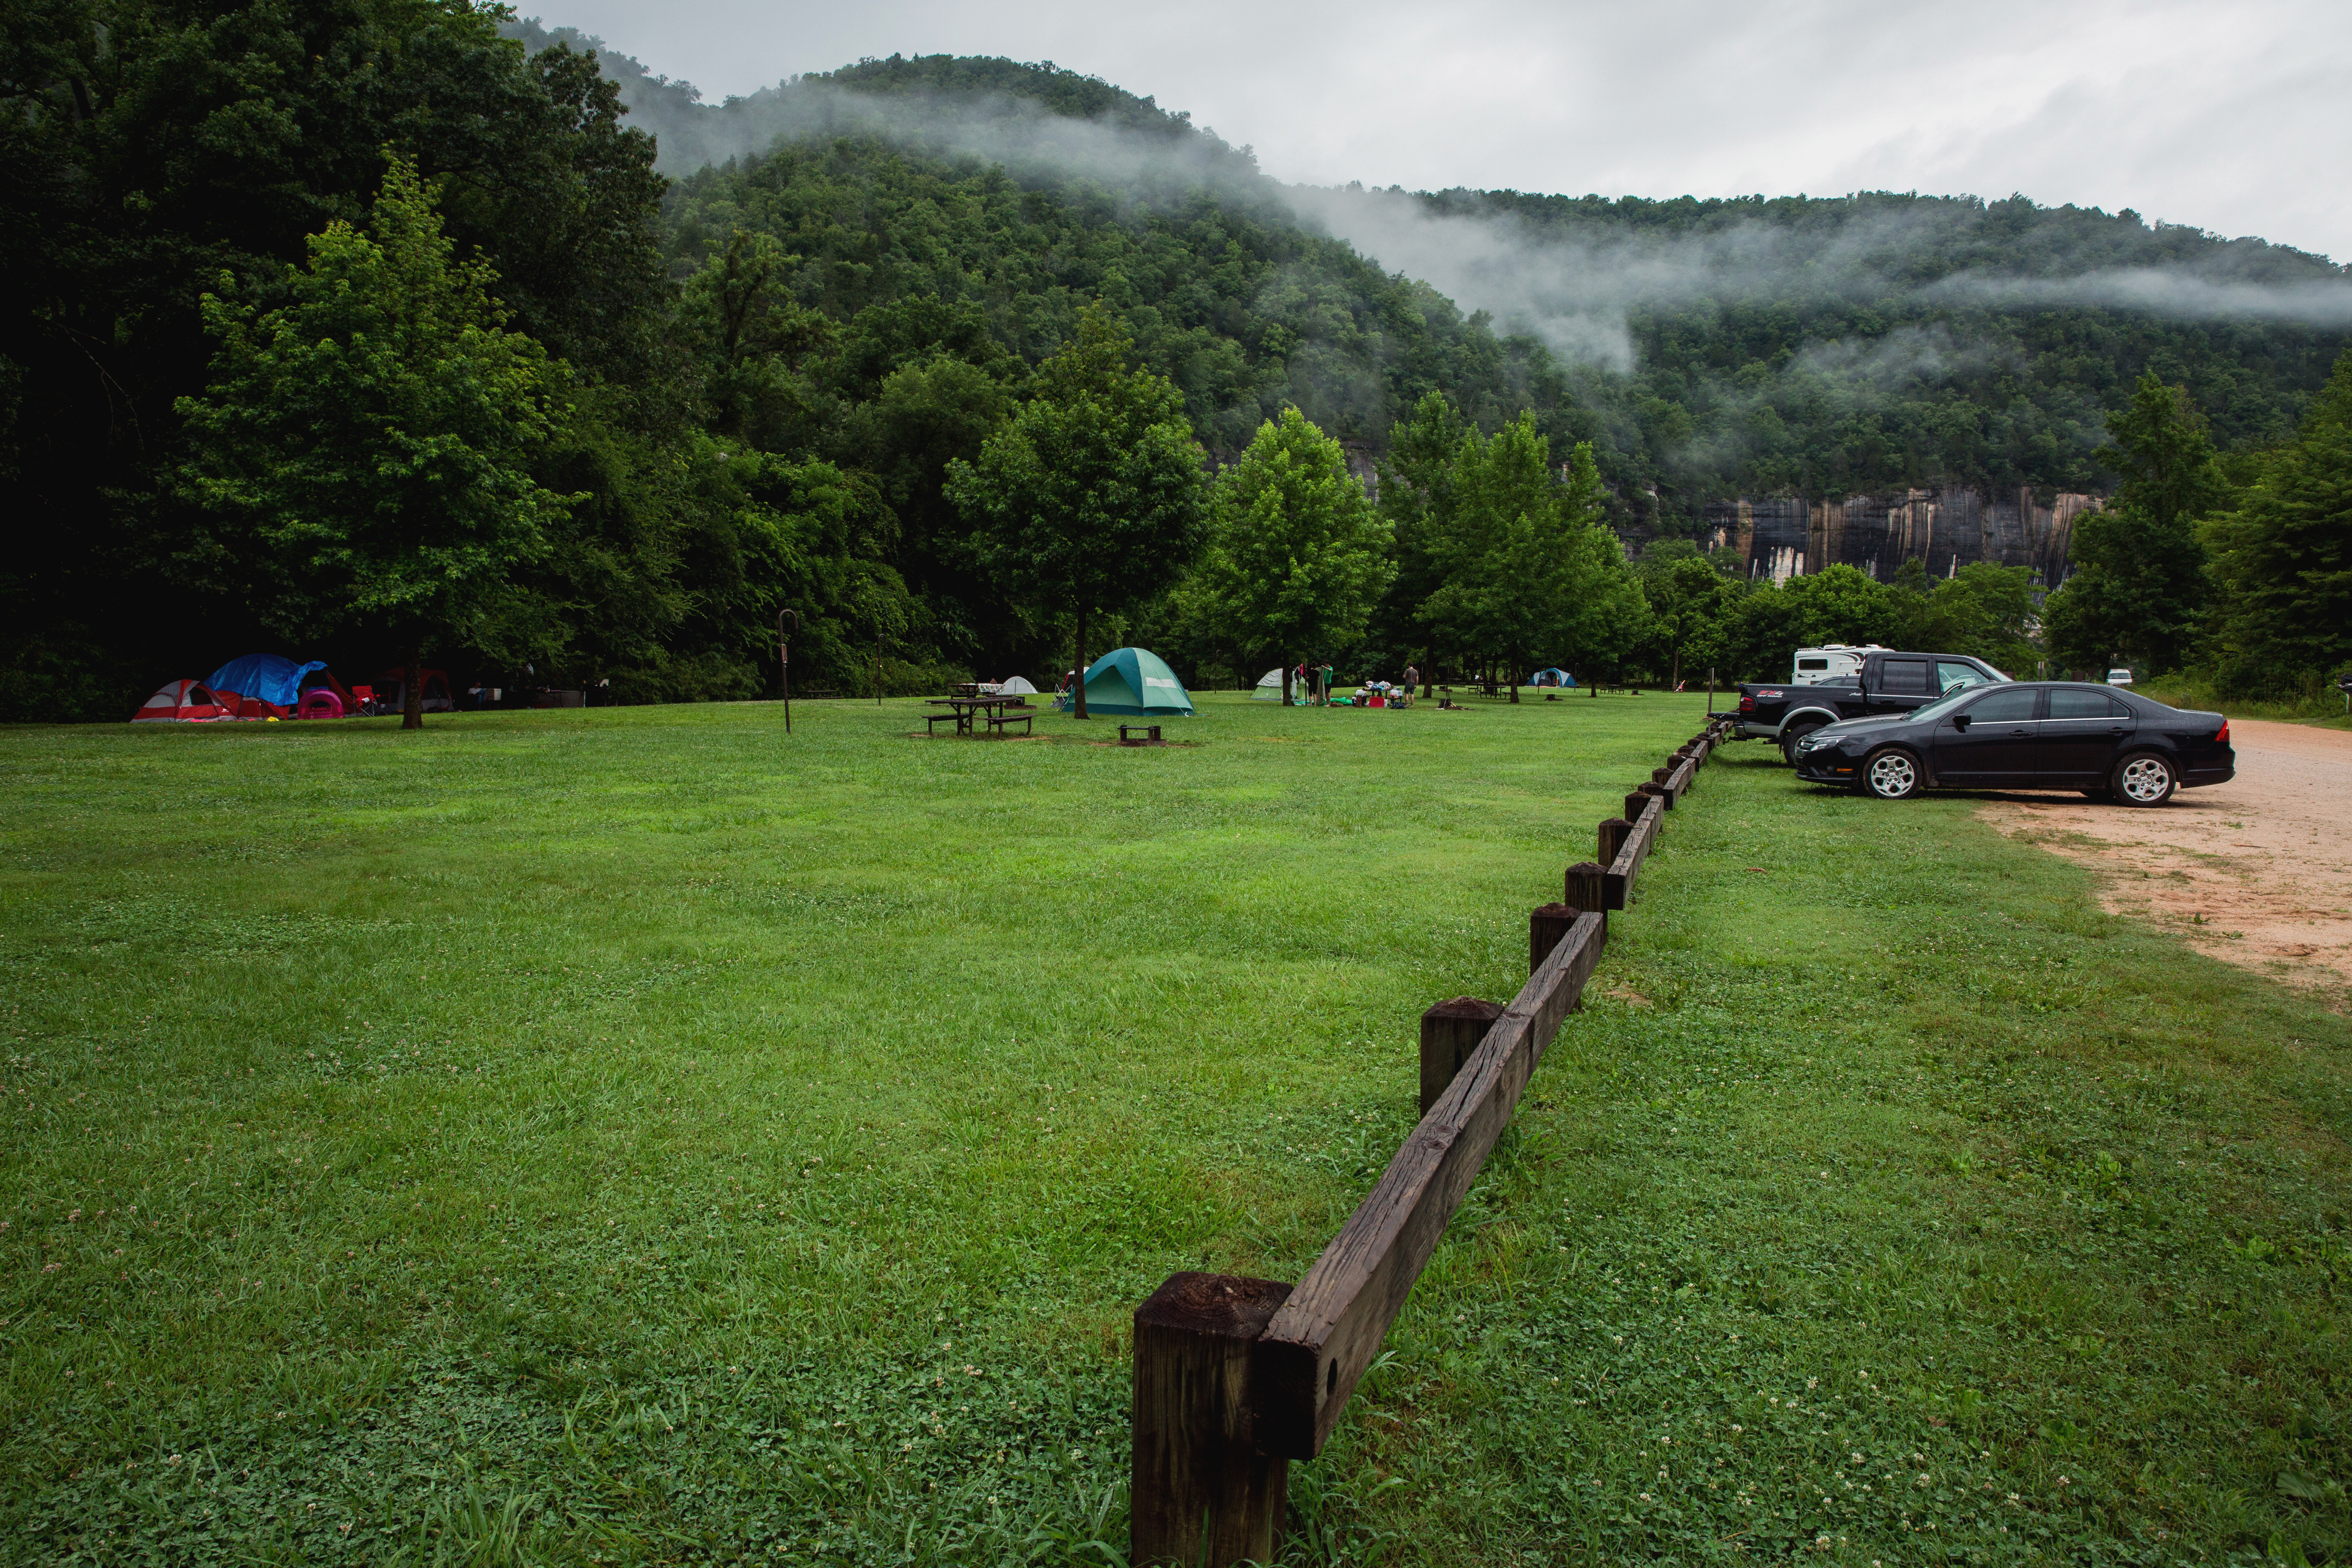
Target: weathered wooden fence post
[
  {"x": 1584, "y": 889},
  {"x": 1547, "y": 926},
  {"x": 1612, "y": 837},
  {"x": 1449, "y": 1033},
  {"x": 1199, "y": 1481}
]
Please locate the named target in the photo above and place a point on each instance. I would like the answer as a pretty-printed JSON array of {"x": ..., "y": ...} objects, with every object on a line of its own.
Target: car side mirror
[{"x": 1959, "y": 720}]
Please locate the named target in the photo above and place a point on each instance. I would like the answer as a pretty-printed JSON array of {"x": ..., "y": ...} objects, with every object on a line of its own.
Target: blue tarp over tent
[
  {"x": 1552, "y": 676},
  {"x": 266, "y": 676},
  {"x": 1131, "y": 680}
]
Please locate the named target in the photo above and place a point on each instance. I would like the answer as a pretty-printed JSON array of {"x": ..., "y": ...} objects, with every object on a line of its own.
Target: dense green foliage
[
  {"x": 2139, "y": 582},
  {"x": 1092, "y": 498},
  {"x": 2282, "y": 559},
  {"x": 773, "y": 362},
  {"x": 1299, "y": 555},
  {"x": 1827, "y": 346},
  {"x": 377, "y": 436},
  {"x": 648, "y": 1228}
]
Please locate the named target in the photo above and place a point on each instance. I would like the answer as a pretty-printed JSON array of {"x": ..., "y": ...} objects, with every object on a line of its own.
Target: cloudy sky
[{"x": 2232, "y": 115}]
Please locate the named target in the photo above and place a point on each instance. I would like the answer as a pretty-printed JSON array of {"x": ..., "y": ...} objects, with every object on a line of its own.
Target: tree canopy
[
  {"x": 1091, "y": 498},
  {"x": 367, "y": 449}
]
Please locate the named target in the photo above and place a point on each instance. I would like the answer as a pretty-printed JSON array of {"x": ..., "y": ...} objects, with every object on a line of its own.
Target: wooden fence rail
[{"x": 1236, "y": 1377}]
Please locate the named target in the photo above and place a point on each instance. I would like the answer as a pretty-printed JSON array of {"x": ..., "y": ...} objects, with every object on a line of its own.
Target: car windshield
[{"x": 1943, "y": 705}]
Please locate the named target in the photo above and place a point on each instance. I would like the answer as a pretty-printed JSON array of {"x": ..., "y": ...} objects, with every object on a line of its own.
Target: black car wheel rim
[
  {"x": 1893, "y": 775},
  {"x": 2146, "y": 779}
]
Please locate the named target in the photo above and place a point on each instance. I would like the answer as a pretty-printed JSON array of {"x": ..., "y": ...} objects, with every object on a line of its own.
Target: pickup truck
[{"x": 1888, "y": 682}]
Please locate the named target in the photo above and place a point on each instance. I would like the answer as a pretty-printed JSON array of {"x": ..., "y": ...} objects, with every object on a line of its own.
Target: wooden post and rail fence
[{"x": 1236, "y": 1377}]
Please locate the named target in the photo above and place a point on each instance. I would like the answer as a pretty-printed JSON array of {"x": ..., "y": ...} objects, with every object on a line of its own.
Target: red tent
[
  {"x": 181, "y": 703},
  {"x": 396, "y": 682}
]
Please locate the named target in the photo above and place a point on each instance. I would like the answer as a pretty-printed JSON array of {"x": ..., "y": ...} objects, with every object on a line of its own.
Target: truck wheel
[
  {"x": 1789, "y": 743},
  {"x": 2143, "y": 779},
  {"x": 1891, "y": 774}
]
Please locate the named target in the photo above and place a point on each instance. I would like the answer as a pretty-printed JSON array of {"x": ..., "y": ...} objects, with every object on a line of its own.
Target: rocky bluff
[{"x": 1947, "y": 528}]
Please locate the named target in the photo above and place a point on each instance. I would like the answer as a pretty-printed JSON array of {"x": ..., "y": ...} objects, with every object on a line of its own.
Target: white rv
[{"x": 1836, "y": 662}]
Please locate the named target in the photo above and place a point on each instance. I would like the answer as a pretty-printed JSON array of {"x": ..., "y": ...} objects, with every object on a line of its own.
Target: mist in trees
[{"x": 755, "y": 385}]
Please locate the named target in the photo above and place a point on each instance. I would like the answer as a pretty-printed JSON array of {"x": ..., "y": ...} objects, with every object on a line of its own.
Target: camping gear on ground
[
  {"x": 180, "y": 702},
  {"x": 320, "y": 702},
  {"x": 436, "y": 690},
  {"x": 1016, "y": 687},
  {"x": 1269, "y": 687},
  {"x": 276, "y": 682},
  {"x": 1131, "y": 681},
  {"x": 1553, "y": 676}
]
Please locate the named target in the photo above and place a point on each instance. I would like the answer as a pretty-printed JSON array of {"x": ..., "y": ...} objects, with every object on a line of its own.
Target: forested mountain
[{"x": 768, "y": 359}]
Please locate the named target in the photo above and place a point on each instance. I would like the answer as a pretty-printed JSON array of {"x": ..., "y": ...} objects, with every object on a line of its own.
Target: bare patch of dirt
[{"x": 2257, "y": 871}]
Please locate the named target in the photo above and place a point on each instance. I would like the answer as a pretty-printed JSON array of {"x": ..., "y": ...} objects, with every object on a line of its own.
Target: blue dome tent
[{"x": 1552, "y": 676}]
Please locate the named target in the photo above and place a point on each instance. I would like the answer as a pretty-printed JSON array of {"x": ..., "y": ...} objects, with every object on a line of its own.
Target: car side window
[
  {"x": 1904, "y": 677},
  {"x": 2003, "y": 707},
  {"x": 1961, "y": 676},
  {"x": 2085, "y": 705}
]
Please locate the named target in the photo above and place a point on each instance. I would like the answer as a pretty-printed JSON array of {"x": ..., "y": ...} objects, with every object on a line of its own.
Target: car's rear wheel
[
  {"x": 1789, "y": 743},
  {"x": 2143, "y": 779},
  {"x": 1892, "y": 775}
]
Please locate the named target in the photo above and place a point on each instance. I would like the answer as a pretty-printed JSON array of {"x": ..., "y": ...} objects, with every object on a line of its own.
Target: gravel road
[{"x": 2257, "y": 871}]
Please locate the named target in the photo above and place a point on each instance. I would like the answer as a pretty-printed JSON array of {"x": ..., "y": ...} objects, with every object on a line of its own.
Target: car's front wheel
[
  {"x": 1892, "y": 775},
  {"x": 2143, "y": 779}
]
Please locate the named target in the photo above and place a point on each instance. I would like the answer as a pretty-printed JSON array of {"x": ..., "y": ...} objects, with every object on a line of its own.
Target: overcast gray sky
[{"x": 2232, "y": 115}]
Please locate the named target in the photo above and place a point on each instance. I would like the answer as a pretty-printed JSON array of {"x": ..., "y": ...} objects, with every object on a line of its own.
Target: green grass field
[{"x": 635, "y": 1136}]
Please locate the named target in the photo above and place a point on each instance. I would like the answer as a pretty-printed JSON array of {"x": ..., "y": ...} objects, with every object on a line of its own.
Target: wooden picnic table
[{"x": 965, "y": 709}]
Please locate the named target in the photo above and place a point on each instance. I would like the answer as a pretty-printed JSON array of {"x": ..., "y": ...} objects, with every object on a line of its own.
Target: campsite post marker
[
  {"x": 787, "y": 623},
  {"x": 1710, "y": 692}
]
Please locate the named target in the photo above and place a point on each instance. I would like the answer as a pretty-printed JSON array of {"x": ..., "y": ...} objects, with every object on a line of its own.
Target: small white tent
[
  {"x": 1016, "y": 687},
  {"x": 1269, "y": 687}
]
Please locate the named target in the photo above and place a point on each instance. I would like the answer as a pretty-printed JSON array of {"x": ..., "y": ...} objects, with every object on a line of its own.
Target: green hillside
[{"x": 779, "y": 318}]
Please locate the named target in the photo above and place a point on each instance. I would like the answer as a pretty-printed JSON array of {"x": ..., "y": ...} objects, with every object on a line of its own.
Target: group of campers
[{"x": 1310, "y": 686}]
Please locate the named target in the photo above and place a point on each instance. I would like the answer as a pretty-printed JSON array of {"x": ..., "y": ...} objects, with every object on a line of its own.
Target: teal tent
[
  {"x": 1554, "y": 677},
  {"x": 1132, "y": 682}
]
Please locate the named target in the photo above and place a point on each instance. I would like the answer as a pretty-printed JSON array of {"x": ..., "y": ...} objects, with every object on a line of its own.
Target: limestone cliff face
[{"x": 1947, "y": 528}]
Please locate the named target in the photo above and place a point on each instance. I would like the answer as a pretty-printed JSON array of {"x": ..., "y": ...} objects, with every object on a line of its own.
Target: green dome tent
[{"x": 1132, "y": 682}]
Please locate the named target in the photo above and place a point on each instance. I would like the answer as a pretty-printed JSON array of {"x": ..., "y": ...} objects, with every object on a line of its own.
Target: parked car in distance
[
  {"x": 1885, "y": 681},
  {"x": 2119, "y": 677},
  {"x": 2051, "y": 734}
]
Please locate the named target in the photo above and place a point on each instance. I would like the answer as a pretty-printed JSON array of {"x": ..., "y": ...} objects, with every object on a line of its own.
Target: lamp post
[{"x": 787, "y": 623}]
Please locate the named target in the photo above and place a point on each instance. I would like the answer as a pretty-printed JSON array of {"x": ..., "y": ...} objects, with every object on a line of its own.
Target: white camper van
[{"x": 1836, "y": 662}]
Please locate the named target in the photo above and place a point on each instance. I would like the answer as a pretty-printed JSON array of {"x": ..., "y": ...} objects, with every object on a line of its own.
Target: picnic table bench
[
  {"x": 963, "y": 710},
  {"x": 1150, "y": 733}
]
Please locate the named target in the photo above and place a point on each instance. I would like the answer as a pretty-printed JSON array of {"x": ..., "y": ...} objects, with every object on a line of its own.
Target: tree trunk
[
  {"x": 1285, "y": 680},
  {"x": 1082, "y": 662},
  {"x": 412, "y": 702},
  {"x": 1429, "y": 673},
  {"x": 1511, "y": 674},
  {"x": 1676, "y": 679}
]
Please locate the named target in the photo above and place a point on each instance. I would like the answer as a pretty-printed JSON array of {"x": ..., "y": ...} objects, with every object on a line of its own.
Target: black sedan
[{"x": 2110, "y": 744}]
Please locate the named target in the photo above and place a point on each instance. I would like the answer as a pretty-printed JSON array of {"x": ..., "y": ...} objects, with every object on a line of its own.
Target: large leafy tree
[
  {"x": 2139, "y": 583},
  {"x": 2283, "y": 556},
  {"x": 367, "y": 448},
  {"x": 1093, "y": 498},
  {"x": 1523, "y": 559},
  {"x": 150, "y": 146},
  {"x": 1688, "y": 597},
  {"x": 1298, "y": 555}
]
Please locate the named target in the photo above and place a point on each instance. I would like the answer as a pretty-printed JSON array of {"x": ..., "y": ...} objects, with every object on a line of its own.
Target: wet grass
[
  {"x": 633, "y": 1135},
  {"x": 629, "y": 1136}
]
